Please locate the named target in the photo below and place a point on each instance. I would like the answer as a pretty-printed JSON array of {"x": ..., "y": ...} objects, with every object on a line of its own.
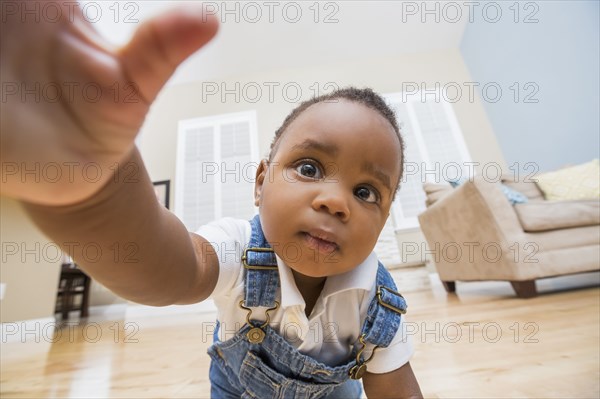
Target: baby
[
  {"x": 323, "y": 195},
  {"x": 304, "y": 306}
]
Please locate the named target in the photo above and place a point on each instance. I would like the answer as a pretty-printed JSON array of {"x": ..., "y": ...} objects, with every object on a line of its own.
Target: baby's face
[{"x": 326, "y": 194}]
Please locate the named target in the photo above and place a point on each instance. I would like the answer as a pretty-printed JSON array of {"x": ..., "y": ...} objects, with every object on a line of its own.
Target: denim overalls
[{"x": 259, "y": 363}]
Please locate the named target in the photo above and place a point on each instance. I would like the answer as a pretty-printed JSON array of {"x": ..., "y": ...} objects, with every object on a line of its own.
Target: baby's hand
[{"x": 72, "y": 104}]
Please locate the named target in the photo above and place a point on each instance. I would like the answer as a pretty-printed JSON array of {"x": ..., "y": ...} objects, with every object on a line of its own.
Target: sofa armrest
[{"x": 476, "y": 220}]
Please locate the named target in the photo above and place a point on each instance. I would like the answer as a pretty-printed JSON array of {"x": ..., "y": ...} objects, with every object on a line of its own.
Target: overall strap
[
  {"x": 385, "y": 311},
  {"x": 382, "y": 321},
  {"x": 261, "y": 277}
]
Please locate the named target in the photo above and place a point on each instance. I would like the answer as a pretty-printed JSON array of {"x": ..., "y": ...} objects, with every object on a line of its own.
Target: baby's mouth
[{"x": 320, "y": 244}]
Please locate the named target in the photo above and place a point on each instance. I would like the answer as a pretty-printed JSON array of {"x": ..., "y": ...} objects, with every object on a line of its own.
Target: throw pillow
[
  {"x": 572, "y": 183},
  {"x": 512, "y": 195}
]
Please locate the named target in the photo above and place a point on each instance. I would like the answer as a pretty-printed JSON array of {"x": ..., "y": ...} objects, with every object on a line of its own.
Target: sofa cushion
[
  {"x": 543, "y": 241},
  {"x": 573, "y": 183},
  {"x": 552, "y": 215}
]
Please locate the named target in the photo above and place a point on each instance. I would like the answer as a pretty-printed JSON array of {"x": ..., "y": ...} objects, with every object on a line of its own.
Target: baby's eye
[
  {"x": 366, "y": 194},
  {"x": 309, "y": 170}
]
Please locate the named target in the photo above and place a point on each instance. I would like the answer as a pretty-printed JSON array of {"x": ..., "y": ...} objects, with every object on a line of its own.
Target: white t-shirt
[{"x": 336, "y": 319}]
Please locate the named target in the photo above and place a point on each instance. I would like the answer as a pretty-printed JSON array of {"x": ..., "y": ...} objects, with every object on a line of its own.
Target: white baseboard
[
  {"x": 141, "y": 311},
  {"x": 129, "y": 311},
  {"x": 108, "y": 311}
]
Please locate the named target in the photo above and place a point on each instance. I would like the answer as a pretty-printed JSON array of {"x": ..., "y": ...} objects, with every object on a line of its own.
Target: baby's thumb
[{"x": 162, "y": 43}]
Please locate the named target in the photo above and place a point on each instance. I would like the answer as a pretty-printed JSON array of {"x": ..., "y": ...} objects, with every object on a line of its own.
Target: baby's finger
[{"x": 162, "y": 43}]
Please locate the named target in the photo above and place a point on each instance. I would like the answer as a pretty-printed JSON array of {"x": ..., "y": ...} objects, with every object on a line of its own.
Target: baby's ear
[{"x": 261, "y": 173}]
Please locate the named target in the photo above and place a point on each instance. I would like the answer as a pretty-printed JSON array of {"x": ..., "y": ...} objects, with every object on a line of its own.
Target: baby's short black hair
[{"x": 366, "y": 97}]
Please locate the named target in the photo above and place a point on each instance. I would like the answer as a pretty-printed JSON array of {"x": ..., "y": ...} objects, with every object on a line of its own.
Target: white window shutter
[
  {"x": 237, "y": 181},
  {"x": 441, "y": 145},
  {"x": 410, "y": 195},
  {"x": 216, "y": 164},
  {"x": 195, "y": 200},
  {"x": 433, "y": 141}
]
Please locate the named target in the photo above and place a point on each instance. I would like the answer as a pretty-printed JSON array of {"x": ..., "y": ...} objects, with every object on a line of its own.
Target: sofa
[{"x": 474, "y": 233}]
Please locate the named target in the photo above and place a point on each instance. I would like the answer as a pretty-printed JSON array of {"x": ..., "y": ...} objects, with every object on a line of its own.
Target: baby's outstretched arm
[{"x": 145, "y": 252}]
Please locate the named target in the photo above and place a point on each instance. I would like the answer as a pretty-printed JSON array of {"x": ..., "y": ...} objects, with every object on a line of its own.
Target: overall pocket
[{"x": 260, "y": 382}]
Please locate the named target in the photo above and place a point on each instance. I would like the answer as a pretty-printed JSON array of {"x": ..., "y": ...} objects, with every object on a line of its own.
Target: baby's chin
[{"x": 311, "y": 271}]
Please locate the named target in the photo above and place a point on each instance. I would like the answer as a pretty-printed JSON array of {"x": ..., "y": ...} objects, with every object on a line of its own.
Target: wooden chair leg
[
  {"x": 450, "y": 286},
  {"x": 85, "y": 296},
  {"x": 525, "y": 289},
  {"x": 67, "y": 299}
]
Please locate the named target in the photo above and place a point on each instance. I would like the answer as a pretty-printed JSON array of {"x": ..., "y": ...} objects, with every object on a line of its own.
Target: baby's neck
[{"x": 310, "y": 288}]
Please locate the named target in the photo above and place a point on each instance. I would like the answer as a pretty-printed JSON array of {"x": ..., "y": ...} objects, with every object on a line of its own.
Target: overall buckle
[
  {"x": 387, "y": 305},
  {"x": 256, "y": 335},
  {"x": 256, "y": 267},
  {"x": 359, "y": 369}
]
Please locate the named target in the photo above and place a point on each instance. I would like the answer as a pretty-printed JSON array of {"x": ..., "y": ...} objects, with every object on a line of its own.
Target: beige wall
[
  {"x": 383, "y": 75},
  {"x": 159, "y": 141},
  {"x": 30, "y": 267}
]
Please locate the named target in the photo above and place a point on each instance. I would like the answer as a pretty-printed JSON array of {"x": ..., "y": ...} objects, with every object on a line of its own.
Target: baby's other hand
[{"x": 72, "y": 103}]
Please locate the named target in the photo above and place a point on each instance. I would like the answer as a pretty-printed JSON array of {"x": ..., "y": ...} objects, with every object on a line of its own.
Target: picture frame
[{"x": 162, "y": 190}]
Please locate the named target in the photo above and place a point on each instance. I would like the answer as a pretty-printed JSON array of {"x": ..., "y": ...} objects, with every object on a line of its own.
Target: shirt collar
[{"x": 361, "y": 277}]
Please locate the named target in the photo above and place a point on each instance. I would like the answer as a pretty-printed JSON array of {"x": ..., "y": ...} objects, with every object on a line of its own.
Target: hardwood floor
[{"x": 482, "y": 342}]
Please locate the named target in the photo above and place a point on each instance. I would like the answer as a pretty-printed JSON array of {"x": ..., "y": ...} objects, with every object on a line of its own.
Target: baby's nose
[{"x": 333, "y": 201}]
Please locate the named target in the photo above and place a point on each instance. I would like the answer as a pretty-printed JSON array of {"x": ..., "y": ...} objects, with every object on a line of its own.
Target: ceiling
[{"x": 273, "y": 35}]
